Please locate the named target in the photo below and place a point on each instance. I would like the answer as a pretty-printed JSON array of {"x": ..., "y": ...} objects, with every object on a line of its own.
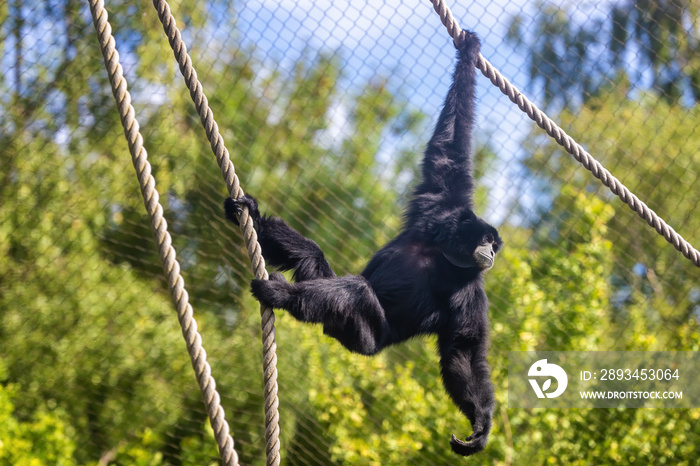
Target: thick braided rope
[
  {"x": 176, "y": 283},
  {"x": 570, "y": 145},
  {"x": 249, "y": 235}
]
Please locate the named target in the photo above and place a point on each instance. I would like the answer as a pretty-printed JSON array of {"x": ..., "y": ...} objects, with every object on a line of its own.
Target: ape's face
[{"x": 473, "y": 244}]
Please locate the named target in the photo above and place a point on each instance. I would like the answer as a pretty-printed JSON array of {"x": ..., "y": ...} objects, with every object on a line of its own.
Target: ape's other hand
[{"x": 234, "y": 207}]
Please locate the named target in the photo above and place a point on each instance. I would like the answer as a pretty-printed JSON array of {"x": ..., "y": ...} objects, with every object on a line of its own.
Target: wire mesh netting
[{"x": 325, "y": 108}]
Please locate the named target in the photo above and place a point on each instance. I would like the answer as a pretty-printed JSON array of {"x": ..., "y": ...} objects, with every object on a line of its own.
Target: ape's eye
[{"x": 488, "y": 238}]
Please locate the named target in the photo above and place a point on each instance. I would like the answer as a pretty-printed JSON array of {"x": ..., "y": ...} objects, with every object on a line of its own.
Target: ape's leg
[
  {"x": 346, "y": 306},
  {"x": 281, "y": 245},
  {"x": 466, "y": 375}
]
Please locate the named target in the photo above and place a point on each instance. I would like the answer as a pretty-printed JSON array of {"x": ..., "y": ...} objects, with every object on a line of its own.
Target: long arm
[
  {"x": 347, "y": 306},
  {"x": 466, "y": 375},
  {"x": 447, "y": 164},
  {"x": 282, "y": 246}
]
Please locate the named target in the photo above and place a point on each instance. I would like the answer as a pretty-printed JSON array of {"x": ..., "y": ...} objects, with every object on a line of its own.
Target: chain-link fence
[{"x": 325, "y": 108}]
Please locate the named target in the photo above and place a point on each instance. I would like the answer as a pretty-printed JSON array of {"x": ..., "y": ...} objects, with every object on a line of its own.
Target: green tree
[
  {"x": 574, "y": 61},
  {"x": 85, "y": 322},
  {"x": 45, "y": 439},
  {"x": 631, "y": 288},
  {"x": 643, "y": 136},
  {"x": 649, "y": 143},
  {"x": 94, "y": 365}
]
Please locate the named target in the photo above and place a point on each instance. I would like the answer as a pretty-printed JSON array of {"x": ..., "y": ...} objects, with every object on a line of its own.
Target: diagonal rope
[
  {"x": 570, "y": 145},
  {"x": 249, "y": 235},
  {"x": 159, "y": 226}
]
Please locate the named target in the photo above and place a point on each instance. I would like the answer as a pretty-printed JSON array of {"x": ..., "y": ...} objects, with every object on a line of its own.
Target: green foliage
[
  {"x": 650, "y": 144},
  {"x": 641, "y": 292},
  {"x": 540, "y": 306},
  {"x": 359, "y": 415},
  {"x": 651, "y": 37},
  {"x": 76, "y": 323},
  {"x": 44, "y": 439}
]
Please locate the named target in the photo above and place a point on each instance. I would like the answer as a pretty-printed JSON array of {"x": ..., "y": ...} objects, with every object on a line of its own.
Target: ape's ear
[
  {"x": 437, "y": 232},
  {"x": 442, "y": 231},
  {"x": 467, "y": 215}
]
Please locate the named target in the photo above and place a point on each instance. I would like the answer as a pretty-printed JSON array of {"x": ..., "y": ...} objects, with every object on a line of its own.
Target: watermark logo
[
  {"x": 542, "y": 368},
  {"x": 603, "y": 379}
]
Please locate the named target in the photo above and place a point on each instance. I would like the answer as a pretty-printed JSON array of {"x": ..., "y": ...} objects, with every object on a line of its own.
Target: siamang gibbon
[{"x": 427, "y": 280}]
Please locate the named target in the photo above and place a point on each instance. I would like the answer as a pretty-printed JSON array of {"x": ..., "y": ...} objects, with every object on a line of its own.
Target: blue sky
[{"x": 404, "y": 40}]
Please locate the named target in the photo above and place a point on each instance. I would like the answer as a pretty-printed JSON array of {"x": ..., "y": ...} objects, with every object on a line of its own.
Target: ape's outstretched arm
[
  {"x": 448, "y": 180},
  {"x": 347, "y": 306},
  {"x": 282, "y": 246}
]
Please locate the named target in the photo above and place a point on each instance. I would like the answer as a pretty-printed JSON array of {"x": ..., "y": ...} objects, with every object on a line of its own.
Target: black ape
[{"x": 426, "y": 280}]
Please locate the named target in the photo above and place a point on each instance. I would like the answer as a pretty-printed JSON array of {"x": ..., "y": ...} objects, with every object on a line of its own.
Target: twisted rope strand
[
  {"x": 249, "y": 235},
  {"x": 570, "y": 145},
  {"x": 159, "y": 226}
]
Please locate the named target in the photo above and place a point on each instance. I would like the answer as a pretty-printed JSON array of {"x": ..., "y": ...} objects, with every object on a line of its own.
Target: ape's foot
[
  {"x": 275, "y": 292},
  {"x": 234, "y": 208},
  {"x": 473, "y": 444}
]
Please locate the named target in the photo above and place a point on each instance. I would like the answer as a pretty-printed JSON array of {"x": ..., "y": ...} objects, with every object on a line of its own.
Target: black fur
[{"x": 426, "y": 280}]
